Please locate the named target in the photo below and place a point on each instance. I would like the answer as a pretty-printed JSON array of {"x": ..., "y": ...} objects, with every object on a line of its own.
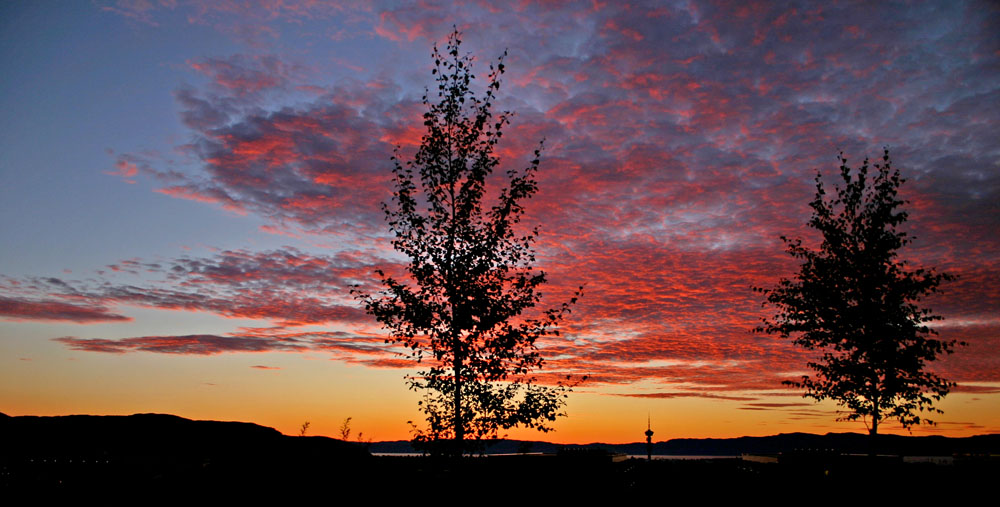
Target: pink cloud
[
  {"x": 200, "y": 345},
  {"x": 125, "y": 169},
  {"x": 245, "y": 74},
  {"x": 18, "y": 309}
]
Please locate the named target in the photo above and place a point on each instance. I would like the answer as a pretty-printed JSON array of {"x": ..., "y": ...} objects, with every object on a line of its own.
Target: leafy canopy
[
  {"x": 856, "y": 303},
  {"x": 470, "y": 279}
]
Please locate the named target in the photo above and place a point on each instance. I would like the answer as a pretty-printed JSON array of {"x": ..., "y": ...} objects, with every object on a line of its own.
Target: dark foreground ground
[
  {"x": 136, "y": 458},
  {"x": 505, "y": 478}
]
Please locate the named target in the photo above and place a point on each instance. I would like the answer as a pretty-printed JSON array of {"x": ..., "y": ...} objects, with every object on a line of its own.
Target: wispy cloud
[
  {"x": 17, "y": 309},
  {"x": 201, "y": 345}
]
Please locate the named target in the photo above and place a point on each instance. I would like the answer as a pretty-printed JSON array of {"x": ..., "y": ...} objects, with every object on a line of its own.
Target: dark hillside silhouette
[
  {"x": 146, "y": 456},
  {"x": 146, "y": 450}
]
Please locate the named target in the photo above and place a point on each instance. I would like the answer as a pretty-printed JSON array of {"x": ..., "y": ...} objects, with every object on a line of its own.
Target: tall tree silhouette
[
  {"x": 855, "y": 303},
  {"x": 464, "y": 305}
]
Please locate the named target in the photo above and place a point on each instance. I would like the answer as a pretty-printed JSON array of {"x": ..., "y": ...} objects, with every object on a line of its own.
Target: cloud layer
[{"x": 681, "y": 140}]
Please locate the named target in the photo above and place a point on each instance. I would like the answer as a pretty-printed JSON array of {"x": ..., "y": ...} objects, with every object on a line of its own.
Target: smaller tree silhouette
[
  {"x": 345, "y": 429},
  {"x": 855, "y": 302}
]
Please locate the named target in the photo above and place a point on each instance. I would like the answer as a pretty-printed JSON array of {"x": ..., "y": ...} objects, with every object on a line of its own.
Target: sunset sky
[{"x": 188, "y": 190}]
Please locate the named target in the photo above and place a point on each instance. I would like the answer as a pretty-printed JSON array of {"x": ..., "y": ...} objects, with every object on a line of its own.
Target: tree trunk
[
  {"x": 873, "y": 435},
  {"x": 459, "y": 424}
]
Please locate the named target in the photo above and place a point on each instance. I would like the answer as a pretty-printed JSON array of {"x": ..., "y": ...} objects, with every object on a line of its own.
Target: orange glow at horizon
[{"x": 312, "y": 388}]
